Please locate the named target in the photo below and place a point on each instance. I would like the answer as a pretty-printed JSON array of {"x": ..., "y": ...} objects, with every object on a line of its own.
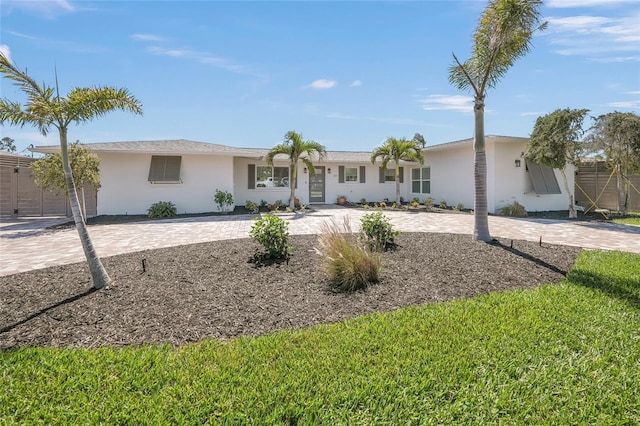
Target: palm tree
[
  {"x": 396, "y": 150},
  {"x": 45, "y": 108},
  {"x": 503, "y": 35},
  {"x": 296, "y": 149}
]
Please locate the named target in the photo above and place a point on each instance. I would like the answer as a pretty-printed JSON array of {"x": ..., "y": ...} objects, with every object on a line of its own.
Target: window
[
  {"x": 389, "y": 175},
  {"x": 268, "y": 177},
  {"x": 165, "y": 169},
  {"x": 421, "y": 180},
  {"x": 351, "y": 174},
  {"x": 543, "y": 178}
]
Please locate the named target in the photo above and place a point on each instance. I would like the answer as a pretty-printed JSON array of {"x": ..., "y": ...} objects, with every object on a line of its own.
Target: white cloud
[
  {"x": 323, "y": 84},
  {"x": 6, "y": 52},
  {"x": 203, "y": 58},
  {"x": 147, "y": 37},
  {"x": 584, "y": 3},
  {"x": 534, "y": 113},
  {"x": 624, "y": 104},
  {"x": 447, "y": 102},
  {"x": 635, "y": 92},
  {"x": 598, "y": 37},
  {"x": 48, "y": 9},
  {"x": 356, "y": 83}
]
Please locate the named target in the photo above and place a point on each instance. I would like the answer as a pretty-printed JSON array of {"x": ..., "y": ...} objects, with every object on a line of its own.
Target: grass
[
  {"x": 558, "y": 354},
  {"x": 348, "y": 262},
  {"x": 630, "y": 219}
]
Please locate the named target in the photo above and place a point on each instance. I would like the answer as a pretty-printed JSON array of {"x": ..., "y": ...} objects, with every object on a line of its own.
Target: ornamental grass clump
[
  {"x": 514, "y": 210},
  {"x": 377, "y": 232},
  {"x": 350, "y": 264},
  {"x": 272, "y": 232}
]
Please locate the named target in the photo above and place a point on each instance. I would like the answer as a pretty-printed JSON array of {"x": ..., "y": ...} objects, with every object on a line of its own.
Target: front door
[{"x": 316, "y": 185}]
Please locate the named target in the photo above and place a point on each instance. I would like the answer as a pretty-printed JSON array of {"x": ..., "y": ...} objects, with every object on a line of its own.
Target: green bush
[
  {"x": 514, "y": 209},
  {"x": 252, "y": 206},
  {"x": 223, "y": 200},
  {"x": 271, "y": 231},
  {"x": 459, "y": 207},
  {"x": 443, "y": 204},
  {"x": 351, "y": 265},
  {"x": 428, "y": 202},
  {"x": 162, "y": 209},
  {"x": 377, "y": 232}
]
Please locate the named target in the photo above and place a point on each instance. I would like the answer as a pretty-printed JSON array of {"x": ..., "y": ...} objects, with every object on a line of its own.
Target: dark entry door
[{"x": 316, "y": 185}]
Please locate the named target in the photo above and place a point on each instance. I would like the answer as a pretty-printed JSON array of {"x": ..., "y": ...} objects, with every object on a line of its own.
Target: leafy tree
[
  {"x": 503, "y": 35},
  {"x": 419, "y": 139},
  {"x": 296, "y": 149},
  {"x": 85, "y": 168},
  {"x": 6, "y": 144},
  {"x": 555, "y": 141},
  {"x": 617, "y": 136},
  {"x": 45, "y": 108},
  {"x": 397, "y": 150}
]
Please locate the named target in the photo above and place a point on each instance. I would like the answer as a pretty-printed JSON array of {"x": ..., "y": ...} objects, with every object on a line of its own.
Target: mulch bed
[{"x": 213, "y": 290}]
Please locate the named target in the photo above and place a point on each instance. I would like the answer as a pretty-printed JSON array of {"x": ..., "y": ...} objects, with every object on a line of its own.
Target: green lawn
[
  {"x": 631, "y": 219},
  {"x": 558, "y": 354}
]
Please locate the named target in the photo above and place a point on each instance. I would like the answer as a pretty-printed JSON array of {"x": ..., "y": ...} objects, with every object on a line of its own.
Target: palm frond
[{"x": 84, "y": 104}]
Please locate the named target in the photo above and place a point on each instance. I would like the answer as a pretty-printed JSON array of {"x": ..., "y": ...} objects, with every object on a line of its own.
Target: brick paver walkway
[{"x": 25, "y": 244}]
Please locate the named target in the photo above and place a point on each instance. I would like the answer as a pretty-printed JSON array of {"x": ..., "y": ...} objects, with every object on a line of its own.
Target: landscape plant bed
[{"x": 212, "y": 290}]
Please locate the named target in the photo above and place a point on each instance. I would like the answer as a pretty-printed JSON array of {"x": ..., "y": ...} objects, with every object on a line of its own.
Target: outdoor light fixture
[
  {"x": 305, "y": 170},
  {"x": 329, "y": 170},
  {"x": 517, "y": 163}
]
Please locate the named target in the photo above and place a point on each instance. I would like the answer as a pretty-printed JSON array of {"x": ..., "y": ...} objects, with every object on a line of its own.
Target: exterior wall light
[
  {"x": 518, "y": 163},
  {"x": 329, "y": 170}
]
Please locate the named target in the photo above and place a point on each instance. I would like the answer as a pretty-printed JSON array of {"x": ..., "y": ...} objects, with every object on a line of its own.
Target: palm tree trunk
[
  {"x": 573, "y": 214},
  {"x": 397, "y": 184},
  {"x": 292, "y": 185},
  {"x": 98, "y": 272},
  {"x": 481, "y": 214}
]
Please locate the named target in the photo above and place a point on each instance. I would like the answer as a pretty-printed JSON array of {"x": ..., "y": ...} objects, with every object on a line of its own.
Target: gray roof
[
  {"x": 183, "y": 146},
  {"x": 463, "y": 142},
  {"x": 178, "y": 146}
]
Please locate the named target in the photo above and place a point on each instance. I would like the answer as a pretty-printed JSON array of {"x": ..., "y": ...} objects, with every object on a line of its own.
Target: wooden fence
[
  {"x": 20, "y": 196},
  {"x": 596, "y": 183}
]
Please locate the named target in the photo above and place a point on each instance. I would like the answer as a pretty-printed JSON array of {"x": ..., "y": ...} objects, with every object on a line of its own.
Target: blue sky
[{"x": 348, "y": 74}]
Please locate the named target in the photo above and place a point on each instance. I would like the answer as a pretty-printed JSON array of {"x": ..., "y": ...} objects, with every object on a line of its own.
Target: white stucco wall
[
  {"x": 126, "y": 189},
  {"x": 514, "y": 183},
  {"x": 371, "y": 189},
  {"x": 452, "y": 177}
]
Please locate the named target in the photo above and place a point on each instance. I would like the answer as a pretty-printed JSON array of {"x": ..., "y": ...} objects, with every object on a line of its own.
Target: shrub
[
  {"x": 351, "y": 265},
  {"x": 377, "y": 232},
  {"x": 382, "y": 204},
  {"x": 514, "y": 209},
  {"x": 443, "y": 204},
  {"x": 252, "y": 206},
  {"x": 415, "y": 200},
  {"x": 162, "y": 209},
  {"x": 271, "y": 231},
  {"x": 415, "y": 204},
  {"x": 223, "y": 200},
  {"x": 363, "y": 201},
  {"x": 428, "y": 202},
  {"x": 459, "y": 207}
]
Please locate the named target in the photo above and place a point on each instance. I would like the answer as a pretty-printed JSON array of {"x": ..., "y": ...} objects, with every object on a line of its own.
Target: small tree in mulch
[{"x": 272, "y": 232}]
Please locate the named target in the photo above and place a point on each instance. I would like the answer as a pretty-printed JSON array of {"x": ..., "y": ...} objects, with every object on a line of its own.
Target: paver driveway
[{"x": 25, "y": 244}]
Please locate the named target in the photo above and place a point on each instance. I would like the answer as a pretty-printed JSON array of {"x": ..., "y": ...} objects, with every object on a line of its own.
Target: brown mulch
[{"x": 212, "y": 290}]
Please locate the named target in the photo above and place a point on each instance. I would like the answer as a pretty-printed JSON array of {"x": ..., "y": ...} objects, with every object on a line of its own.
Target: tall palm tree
[
  {"x": 503, "y": 35},
  {"x": 296, "y": 149},
  {"x": 396, "y": 150},
  {"x": 45, "y": 108}
]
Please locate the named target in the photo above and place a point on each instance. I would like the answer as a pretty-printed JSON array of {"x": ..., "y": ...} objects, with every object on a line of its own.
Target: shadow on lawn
[
  {"x": 47, "y": 309},
  {"x": 626, "y": 290}
]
